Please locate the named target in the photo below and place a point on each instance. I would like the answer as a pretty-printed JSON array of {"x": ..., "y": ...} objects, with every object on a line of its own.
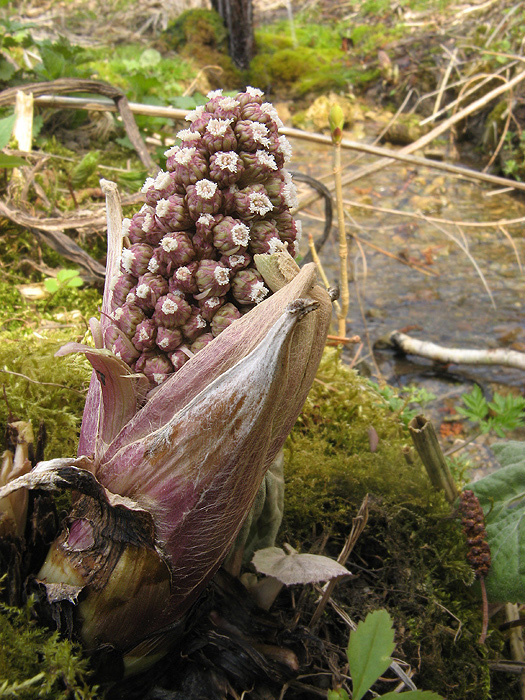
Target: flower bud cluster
[
  {"x": 473, "y": 523},
  {"x": 187, "y": 271}
]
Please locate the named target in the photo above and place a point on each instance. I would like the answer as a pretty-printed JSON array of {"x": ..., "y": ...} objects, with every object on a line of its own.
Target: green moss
[
  {"x": 411, "y": 556},
  {"x": 36, "y": 663},
  {"x": 198, "y": 26}
]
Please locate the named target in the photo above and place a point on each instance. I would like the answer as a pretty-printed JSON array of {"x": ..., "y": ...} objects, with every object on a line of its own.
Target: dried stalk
[
  {"x": 457, "y": 356},
  {"x": 426, "y": 443},
  {"x": 343, "y": 245},
  {"x": 173, "y": 113},
  {"x": 517, "y": 646},
  {"x": 358, "y": 525},
  {"x": 322, "y": 273}
]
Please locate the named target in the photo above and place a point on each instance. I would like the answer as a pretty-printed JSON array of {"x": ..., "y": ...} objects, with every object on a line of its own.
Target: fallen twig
[
  {"x": 174, "y": 113},
  {"x": 65, "y": 85},
  {"x": 457, "y": 356}
]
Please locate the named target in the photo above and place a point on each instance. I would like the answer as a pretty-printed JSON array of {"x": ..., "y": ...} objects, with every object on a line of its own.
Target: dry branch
[
  {"x": 65, "y": 85},
  {"x": 174, "y": 113},
  {"x": 457, "y": 356}
]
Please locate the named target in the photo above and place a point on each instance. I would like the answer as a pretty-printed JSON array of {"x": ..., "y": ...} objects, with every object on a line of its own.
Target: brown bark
[{"x": 238, "y": 18}]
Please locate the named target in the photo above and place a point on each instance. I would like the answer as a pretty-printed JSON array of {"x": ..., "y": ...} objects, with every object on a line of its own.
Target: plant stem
[
  {"x": 343, "y": 246},
  {"x": 426, "y": 443},
  {"x": 485, "y": 610}
]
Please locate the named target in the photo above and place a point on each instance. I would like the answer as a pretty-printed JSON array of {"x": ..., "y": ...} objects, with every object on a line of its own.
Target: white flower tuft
[
  {"x": 183, "y": 274},
  {"x": 298, "y": 230},
  {"x": 169, "y": 307},
  {"x": 150, "y": 182},
  {"x": 127, "y": 259},
  {"x": 266, "y": 159},
  {"x": 148, "y": 222},
  {"x": 171, "y": 151},
  {"x": 285, "y": 149},
  {"x": 117, "y": 314},
  {"x": 169, "y": 244},
  {"x": 162, "y": 207},
  {"x": 213, "y": 302},
  {"x": 201, "y": 323},
  {"x": 227, "y": 160},
  {"x": 254, "y": 92},
  {"x": 260, "y": 133},
  {"x": 259, "y": 203},
  {"x": 163, "y": 343},
  {"x": 162, "y": 180},
  {"x": 143, "y": 335},
  {"x": 195, "y": 114},
  {"x": 218, "y": 127},
  {"x": 130, "y": 298},
  {"x": 258, "y": 292},
  {"x": 159, "y": 378},
  {"x": 235, "y": 260},
  {"x": 240, "y": 234},
  {"x": 214, "y": 93},
  {"x": 153, "y": 266},
  {"x": 276, "y": 245},
  {"x": 268, "y": 108},
  {"x": 126, "y": 223},
  {"x": 205, "y": 219},
  {"x": 289, "y": 191},
  {"x": 222, "y": 275},
  {"x": 142, "y": 290},
  {"x": 184, "y": 155},
  {"x": 205, "y": 188},
  {"x": 187, "y": 135},
  {"x": 228, "y": 103}
]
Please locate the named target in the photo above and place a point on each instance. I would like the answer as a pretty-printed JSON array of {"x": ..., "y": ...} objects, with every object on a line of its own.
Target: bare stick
[
  {"x": 322, "y": 273},
  {"x": 445, "y": 80},
  {"x": 173, "y": 113},
  {"x": 343, "y": 246},
  {"x": 457, "y": 356},
  {"x": 517, "y": 647}
]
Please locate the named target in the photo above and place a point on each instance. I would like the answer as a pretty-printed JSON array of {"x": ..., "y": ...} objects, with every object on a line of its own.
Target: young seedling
[{"x": 369, "y": 654}]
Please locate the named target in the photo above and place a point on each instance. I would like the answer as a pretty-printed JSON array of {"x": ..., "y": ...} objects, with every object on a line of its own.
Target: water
[{"x": 450, "y": 305}]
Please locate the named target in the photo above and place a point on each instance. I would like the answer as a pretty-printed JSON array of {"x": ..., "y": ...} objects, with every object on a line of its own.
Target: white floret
[
  {"x": 214, "y": 93},
  {"x": 184, "y": 155},
  {"x": 218, "y": 127},
  {"x": 195, "y": 114},
  {"x": 162, "y": 208},
  {"x": 162, "y": 180},
  {"x": 142, "y": 290},
  {"x": 240, "y": 234},
  {"x": 254, "y": 92},
  {"x": 258, "y": 292},
  {"x": 227, "y": 160},
  {"x": 150, "y": 182},
  {"x": 127, "y": 259},
  {"x": 205, "y": 188},
  {"x": 259, "y": 203},
  {"x": 222, "y": 275}
]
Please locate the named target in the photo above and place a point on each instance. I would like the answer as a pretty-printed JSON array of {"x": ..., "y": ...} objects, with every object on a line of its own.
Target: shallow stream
[{"x": 445, "y": 301}]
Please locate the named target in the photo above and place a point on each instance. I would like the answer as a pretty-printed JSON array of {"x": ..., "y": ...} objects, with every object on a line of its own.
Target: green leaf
[
  {"x": 6, "y": 129},
  {"x": 369, "y": 651},
  {"x": 7, "y": 70},
  {"x": 54, "y": 63},
  {"x": 502, "y": 497},
  {"x": 11, "y": 161},
  {"x": 339, "y": 694},
  {"x": 51, "y": 284},
  {"x": 413, "y": 695}
]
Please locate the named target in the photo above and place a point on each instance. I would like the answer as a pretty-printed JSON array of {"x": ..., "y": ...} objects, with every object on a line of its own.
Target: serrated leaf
[
  {"x": 6, "y": 129},
  {"x": 413, "y": 695},
  {"x": 502, "y": 497},
  {"x": 369, "y": 651}
]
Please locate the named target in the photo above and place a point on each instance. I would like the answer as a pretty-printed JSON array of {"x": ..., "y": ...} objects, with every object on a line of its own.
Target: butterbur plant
[{"x": 208, "y": 342}]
